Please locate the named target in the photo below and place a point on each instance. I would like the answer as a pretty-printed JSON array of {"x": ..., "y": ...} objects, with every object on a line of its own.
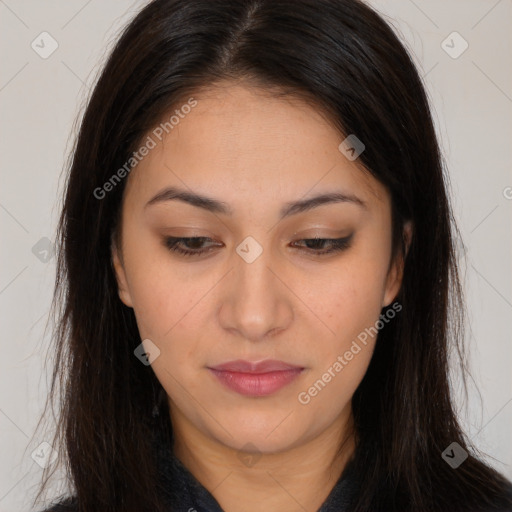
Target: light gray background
[{"x": 40, "y": 98}]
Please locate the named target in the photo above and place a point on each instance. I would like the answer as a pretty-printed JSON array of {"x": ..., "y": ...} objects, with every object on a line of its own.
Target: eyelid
[{"x": 338, "y": 245}]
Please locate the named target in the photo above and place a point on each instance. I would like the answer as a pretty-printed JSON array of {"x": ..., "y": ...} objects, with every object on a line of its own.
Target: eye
[
  {"x": 336, "y": 244},
  {"x": 193, "y": 245},
  {"x": 173, "y": 243}
]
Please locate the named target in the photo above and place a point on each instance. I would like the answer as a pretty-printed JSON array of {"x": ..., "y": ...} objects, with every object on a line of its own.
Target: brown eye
[
  {"x": 336, "y": 244},
  {"x": 194, "y": 245}
]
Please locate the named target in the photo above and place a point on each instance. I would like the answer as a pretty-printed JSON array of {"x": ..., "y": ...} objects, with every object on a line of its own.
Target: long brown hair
[{"x": 340, "y": 56}]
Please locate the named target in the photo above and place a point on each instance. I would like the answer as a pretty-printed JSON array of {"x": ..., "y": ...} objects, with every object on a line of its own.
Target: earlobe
[
  {"x": 122, "y": 285},
  {"x": 395, "y": 275}
]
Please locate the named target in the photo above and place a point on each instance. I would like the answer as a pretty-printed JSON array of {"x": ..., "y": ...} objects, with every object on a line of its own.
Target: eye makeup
[{"x": 193, "y": 246}]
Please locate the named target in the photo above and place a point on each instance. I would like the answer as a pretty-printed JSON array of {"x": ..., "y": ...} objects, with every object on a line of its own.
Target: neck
[{"x": 298, "y": 478}]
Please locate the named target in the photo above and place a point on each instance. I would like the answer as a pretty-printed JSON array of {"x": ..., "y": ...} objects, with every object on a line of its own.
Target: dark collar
[{"x": 184, "y": 493}]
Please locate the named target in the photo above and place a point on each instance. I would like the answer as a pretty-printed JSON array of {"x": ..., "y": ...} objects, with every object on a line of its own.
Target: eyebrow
[{"x": 215, "y": 206}]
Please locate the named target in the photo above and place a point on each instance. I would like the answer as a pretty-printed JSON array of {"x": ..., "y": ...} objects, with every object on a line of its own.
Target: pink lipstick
[{"x": 256, "y": 379}]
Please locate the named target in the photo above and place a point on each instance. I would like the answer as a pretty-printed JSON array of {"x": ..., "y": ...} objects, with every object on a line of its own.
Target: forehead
[{"x": 240, "y": 142}]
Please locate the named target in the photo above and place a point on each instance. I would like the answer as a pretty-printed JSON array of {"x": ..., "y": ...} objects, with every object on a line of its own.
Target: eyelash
[{"x": 338, "y": 245}]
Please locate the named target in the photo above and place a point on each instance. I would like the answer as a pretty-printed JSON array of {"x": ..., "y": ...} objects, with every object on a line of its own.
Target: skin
[{"x": 255, "y": 153}]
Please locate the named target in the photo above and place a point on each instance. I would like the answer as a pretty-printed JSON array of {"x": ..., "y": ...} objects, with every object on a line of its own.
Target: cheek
[
  {"x": 351, "y": 299},
  {"x": 342, "y": 358},
  {"x": 169, "y": 314},
  {"x": 166, "y": 311},
  {"x": 353, "y": 293},
  {"x": 170, "y": 310},
  {"x": 160, "y": 293}
]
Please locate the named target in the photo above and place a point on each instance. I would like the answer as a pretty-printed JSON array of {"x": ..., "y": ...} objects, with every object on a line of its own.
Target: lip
[
  {"x": 256, "y": 378},
  {"x": 267, "y": 365}
]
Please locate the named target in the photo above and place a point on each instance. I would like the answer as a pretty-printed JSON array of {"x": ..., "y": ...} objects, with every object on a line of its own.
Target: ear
[
  {"x": 122, "y": 283},
  {"x": 395, "y": 274}
]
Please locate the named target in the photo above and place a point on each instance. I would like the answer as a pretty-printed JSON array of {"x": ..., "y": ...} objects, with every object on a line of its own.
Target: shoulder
[
  {"x": 500, "y": 501},
  {"x": 65, "y": 505},
  {"x": 495, "y": 497}
]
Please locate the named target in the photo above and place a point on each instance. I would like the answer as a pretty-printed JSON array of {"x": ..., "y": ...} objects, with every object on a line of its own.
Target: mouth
[{"x": 256, "y": 378}]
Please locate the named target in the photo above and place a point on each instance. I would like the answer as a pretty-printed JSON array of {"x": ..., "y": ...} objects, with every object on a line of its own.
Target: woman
[{"x": 258, "y": 273}]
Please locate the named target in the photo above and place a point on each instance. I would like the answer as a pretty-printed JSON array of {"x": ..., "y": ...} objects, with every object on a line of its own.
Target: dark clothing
[
  {"x": 189, "y": 494},
  {"x": 184, "y": 493}
]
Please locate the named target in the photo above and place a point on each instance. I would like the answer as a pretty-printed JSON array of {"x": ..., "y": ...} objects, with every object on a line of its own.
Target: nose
[{"x": 255, "y": 301}]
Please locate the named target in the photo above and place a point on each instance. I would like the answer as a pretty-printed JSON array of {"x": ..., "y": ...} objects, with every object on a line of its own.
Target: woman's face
[{"x": 260, "y": 292}]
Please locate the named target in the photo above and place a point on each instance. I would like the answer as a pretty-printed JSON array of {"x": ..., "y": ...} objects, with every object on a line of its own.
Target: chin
[{"x": 260, "y": 440}]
